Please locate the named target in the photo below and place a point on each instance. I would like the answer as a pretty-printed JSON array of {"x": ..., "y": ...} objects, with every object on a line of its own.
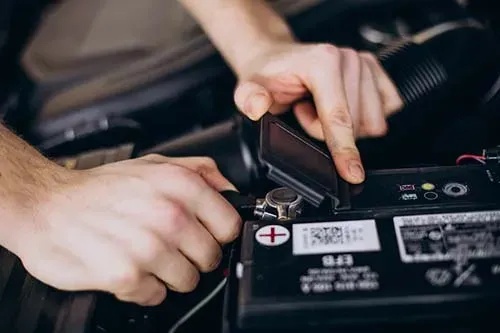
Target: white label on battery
[
  {"x": 448, "y": 237},
  {"x": 339, "y": 279},
  {"x": 335, "y": 237}
]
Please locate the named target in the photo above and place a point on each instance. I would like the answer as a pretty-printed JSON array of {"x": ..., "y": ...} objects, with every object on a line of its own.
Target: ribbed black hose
[
  {"x": 414, "y": 69},
  {"x": 456, "y": 64}
]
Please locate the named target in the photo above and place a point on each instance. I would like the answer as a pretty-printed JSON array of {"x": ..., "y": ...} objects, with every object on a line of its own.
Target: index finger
[
  {"x": 188, "y": 185},
  {"x": 325, "y": 81},
  {"x": 204, "y": 166}
]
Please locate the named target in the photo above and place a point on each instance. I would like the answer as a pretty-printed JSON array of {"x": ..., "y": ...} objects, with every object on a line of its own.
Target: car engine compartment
[
  {"x": 451, "y": 89},
  {"x": 201, "y": 96}
]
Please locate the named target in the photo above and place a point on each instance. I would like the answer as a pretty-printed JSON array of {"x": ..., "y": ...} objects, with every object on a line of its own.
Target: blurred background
[{"x": 94, "y": 81}]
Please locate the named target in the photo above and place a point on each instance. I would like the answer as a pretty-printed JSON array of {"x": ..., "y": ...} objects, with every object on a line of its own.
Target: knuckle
[
  {"x": 176, "y": 219},
  {"x": 206, "y": 166},
  {"x": 208, "y": 162},
  {"x": 349, "y": 52},
  {"x": 354, "y": 56},
  {"x": 181, "y": 171},
  {"x": 175, "y": 212},
  {"x": 325, "y": 49},
  {"x": 125, "y": 278},
  {"x": 368, "y": 56},
  {"x": 150, "y": 247},
  {"x": 340, "y": 116},
  {"x": 325, "y": 54},
  {"x": 193, "y": 179},
  {"x": 153, "y": 156},
  {"x": 345, "y": 151}
]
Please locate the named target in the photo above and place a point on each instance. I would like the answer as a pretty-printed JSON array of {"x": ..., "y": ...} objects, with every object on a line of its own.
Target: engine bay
[
  {"x": 441, "y": 130},
  {"x": 421, "y": 231}
]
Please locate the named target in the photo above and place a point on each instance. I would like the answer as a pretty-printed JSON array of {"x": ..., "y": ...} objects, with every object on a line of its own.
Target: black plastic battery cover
[{"x": 294, "y": 161}]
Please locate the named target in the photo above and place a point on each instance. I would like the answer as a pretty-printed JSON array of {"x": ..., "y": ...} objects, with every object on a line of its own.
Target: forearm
[
  {"x": 25, "y": 177},
  {"x": 240, "y": 29}
]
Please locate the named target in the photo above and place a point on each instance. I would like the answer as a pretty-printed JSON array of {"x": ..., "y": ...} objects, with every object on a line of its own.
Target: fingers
[
  {"x": 351, "y": 65},
  {"x": 333, "y": 111},
  {"x": 176, "y": 235},
  {"x": 111, "y": 269},
  {"x": 156, "y": 251},
  {"x": 372, "y": 119},
  {"x": 362, "y": 96},
  {"x": 170, "y": 245},
  {"x": 252, "y": 99},
  {"x": 149, "y": 291},
  {"x": 198, "y": 213},
  {"x": 148, "y": 226},
  {"x": 184, "y": 232},
  {"x": 308, "y": 118},
  {"x": 178, "y": 181},
  {"x": 202, "y": 216},
  {"x": 353, "y": 102},
  {"x": 210, "y": 208},
  {"x": 176, "y": 271},
  {"x": 207, "y": 169},
  {"x": 204, "y": 166},
  {"x": 390, "y": 98},
  {"x": 200, "y": 247}
]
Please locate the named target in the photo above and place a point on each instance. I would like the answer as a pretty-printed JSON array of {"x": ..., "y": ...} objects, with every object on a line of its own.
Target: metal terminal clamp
[{"x": 281, "y": 204}]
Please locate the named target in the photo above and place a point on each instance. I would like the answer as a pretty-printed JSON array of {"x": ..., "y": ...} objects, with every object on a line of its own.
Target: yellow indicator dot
[{"x": 428, "y": 186}]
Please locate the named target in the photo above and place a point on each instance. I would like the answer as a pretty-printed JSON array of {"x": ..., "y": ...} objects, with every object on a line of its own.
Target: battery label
[
  {"x": 447, "y": 237},
  {"x": 339, "y": 279},
  {"x": 335, "y": 237}
]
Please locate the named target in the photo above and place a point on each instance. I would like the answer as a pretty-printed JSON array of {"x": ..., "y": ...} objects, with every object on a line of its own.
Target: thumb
[{"x": 252, "y": 99}]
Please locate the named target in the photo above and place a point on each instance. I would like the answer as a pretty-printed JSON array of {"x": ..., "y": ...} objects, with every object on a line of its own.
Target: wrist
[
  {"x": 241, "y": 30},
  {"x": 24, "y": 204}
]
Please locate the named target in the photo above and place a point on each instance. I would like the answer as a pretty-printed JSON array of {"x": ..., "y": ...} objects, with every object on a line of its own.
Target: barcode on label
[
  {"x": 335, "y": 237},
  {"x": 328, "y": 235}
]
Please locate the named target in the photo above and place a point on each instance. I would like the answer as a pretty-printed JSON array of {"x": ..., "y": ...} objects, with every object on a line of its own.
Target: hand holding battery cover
[{"x": 352, "y": 96}]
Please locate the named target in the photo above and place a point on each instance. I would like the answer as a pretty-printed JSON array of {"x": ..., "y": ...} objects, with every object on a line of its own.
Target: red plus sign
[{"x": 272, "y": 234}]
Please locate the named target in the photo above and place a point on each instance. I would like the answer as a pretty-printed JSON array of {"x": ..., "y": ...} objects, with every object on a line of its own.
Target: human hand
[
  {"x": 352, "y": 96},
  {"x": 131, "y": 228}
]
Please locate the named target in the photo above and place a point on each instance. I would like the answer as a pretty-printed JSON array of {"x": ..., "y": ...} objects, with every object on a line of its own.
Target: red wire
[{"x": 478, "y": 158}]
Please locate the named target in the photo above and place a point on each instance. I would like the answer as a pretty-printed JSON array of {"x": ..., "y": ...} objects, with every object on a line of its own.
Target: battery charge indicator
[{"x": 428, "y": 187}]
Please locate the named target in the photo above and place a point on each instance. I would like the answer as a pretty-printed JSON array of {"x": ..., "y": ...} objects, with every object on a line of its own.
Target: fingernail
[
  {"x": 257, "y": 105},
  {"x": 356, "y": 170},
  {"x": 233, "y": 188}
]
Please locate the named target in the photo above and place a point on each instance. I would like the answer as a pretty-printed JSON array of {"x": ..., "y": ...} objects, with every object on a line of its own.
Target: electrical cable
[
  {"x": 478, "y": 158},
  {"x": 198, "y": 306}
]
